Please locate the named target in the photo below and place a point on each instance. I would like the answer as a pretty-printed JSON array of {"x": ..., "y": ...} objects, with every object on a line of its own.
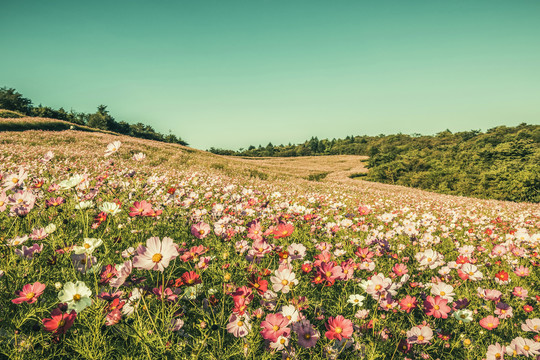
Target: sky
[{"x": 228, "y": 74}]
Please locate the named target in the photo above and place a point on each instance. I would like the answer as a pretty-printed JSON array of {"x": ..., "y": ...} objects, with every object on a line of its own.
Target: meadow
[{"x": 113, "y": 247}]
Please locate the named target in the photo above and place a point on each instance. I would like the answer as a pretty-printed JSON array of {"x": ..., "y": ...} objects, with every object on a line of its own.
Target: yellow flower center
[
  {"x": 436, "y": 307},
  {"x": 61, "y": 323},
  {"x": 443, "y": 293},
  {"x": 378, "y": 287},
  {"x": 17, "y": 242},
  {"x": 157, "y": 258},
  {"x": 15, "y": 180},
  {"x": 307, "y": 336},
  {"x": 1, "y": 203},
  {"x": 86, "y": 246},
  {"x": 328, "y": 274},
  {"x": 490, "y": 324},
  {"x": 240, "y": 323},
  {"x": 275, "y": 328},
  {"x": 76, "y": 297},
  {"x": 338, "y": 330},
  {"x": 526, "y": 347},
  {"x": 420, "y": 337},
  {"x": 429, "y": 259},
  {"x": 30, "y": 295},
  {"x": 284, "y": 282},
  {"x": 467, "y": 342}
]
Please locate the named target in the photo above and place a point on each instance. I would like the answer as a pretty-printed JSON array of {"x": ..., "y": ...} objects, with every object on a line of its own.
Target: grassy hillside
[{"x": 79, "y": 215}]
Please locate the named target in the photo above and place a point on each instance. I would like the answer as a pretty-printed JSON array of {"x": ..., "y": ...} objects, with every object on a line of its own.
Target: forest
[{"x": 501, "y": 163}]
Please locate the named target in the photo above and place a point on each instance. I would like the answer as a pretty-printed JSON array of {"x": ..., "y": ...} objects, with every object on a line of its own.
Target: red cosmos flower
[
  {"x": 240, "y": 306},
  {"x": 528, "y": 308},
  {"x": 243, "y": 292},
  {"x": 408, "y": 303},
  {"x": 283, "y": 230},
  {"x": 116, "y": 304},
  {"x": 436, "y": 307},
  {"x": 29, "y": 293},
  {"x": 502, "y": 275},
  {"x": 489, "y": 322},
  {"x": 59, "y": 322},
  {"x": 191, "y": 278},
  {"x": 139, "y": 208},
  {"x": 101, "y": 217},
  {"x": 107, "y": 274},
  {"x": 307, "y": 268},
  {"x": 462, "y": 259},
  {"x": 339, "y": 328},
  {"x": 259, "y": 284},
  {"x": 171, "y": 190}
]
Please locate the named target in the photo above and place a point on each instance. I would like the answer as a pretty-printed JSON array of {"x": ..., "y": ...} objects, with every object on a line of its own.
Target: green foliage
[
  {"x": 10, "y": 99},
  {"x": 317, "y": 177},
  {"x": 503, "y": 163}
]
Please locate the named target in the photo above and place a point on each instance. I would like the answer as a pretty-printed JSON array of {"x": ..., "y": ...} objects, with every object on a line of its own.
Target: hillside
[
  {"x": 502, "y": 163},
  {"x": 118, "y": 247}
]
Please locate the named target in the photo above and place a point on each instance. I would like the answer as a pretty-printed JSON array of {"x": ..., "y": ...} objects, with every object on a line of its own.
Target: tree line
[
  {"x": 501, "y": 163},
  {"x": 10, "y": 99}
]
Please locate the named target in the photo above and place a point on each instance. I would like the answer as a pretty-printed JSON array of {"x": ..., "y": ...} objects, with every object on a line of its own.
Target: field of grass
[{"x": 113, "y": 247}]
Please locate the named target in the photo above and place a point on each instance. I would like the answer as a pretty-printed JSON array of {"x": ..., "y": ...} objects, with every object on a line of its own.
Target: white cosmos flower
[
  {"x": 71, "y": 182},
  {"x": 88, "y": 246},
  {"x": 139, "y": 157},
  {"x": 463, "y": 315},
  {"x": 77, "y": 296},
  {"x": 283, "y": 280},
  {"x": 112, "y": 148},
  {"x": 84, "y": 205},
  {"x": 110, "y": 208},
  {"x": 356, "y": 300},
  {"x": 49, "y": 229}
]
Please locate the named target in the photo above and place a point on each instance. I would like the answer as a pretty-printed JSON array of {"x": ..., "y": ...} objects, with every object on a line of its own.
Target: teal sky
[{"x": 230, "y": 73}]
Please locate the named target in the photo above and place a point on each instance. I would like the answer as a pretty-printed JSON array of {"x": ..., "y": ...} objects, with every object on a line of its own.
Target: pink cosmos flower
[
  {"x": 531, "y": 325},
  {"x": 200, "y": 230},
  {"x": 122, "y": 274},
  {"x": 520, "y": 292},
  {"x": 29, "y": 293},
  {"x": 140, "y": 208},
  {"x": 339, "y": 328},
  {"x": 489, "y": 322},
  {"x": 156, "y": 255},
  {"x": 522, "y": 271},
  {"x": 274, "y": 326},
  {"x": 436, "y": 307}
]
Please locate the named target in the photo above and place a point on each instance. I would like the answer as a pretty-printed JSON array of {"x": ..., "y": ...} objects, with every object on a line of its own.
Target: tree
[{"x": 10, "y": 99}]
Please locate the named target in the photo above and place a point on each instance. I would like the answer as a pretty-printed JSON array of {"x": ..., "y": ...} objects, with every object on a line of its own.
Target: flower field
[{"x": 136, "y": 250}]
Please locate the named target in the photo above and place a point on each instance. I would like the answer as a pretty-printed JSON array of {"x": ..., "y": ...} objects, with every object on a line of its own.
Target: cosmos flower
[
  {"x": 29, "y": 293},
  {"x": 76, "y": 296},
  {"x": 338, "y": 328},
  {"x": 156, "y": 255}
]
